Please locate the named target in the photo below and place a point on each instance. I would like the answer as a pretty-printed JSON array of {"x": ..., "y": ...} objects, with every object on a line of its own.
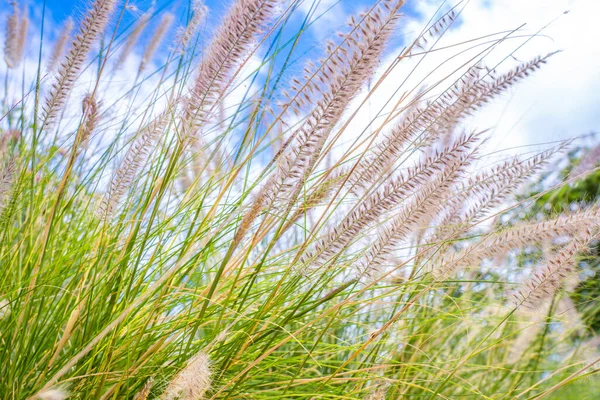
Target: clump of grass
[
  {"x": 17, "y": 25},
  {"x": 167, "y": 237}
]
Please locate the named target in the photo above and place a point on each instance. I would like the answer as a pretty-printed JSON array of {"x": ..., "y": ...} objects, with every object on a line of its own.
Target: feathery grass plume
[
  {"x": 250, "y": 215},
  {"x": 61, "y": 44},
  {"x": 230, "y": 44},
  {"x": 11, "y": 38},
  {"x": 420, "y": 121},
  {"x": 364, "y": 34},
  {"x": 9, "y": 196},
  {"x": 161, "y": 30},
  {"x": 22, "y": 41},
  {"x": 474, "y": 94},
  {"x": 470, "y": 201},
  {"x": 345, "y": 70},
  {"x": 192, "y": 382},
  {"x": 132, "y": 39},
  {"x": 553, "y": 275},
  {"x": 589, "y": 161},
  {"x": 92, "y": 27},
  {"x": 316, "y": 197},
  {"x": 533, "y": 324},
  {"x": 427, "y": 201},
  {"x": 378, "y": 394},
  {"x": 7, "y": 139},
  {"x": 134, "y": 159},
  {"x": 7, "y": 176},
  {"x": 483, "y": 91},
  {"x": 4, "y": 309},
  {"x": 90, "y": 120},
  {"x": 245, "y": 19},
  {"x": 184, "y": 36},
  {"x": 515, "y": 75},
  {"x": 145, "y": 391},
  {"x": 479, "y": 92},
  {"x": 495, "y": 244},
  {"x": 429, "y": 122},
  {"x": 4, "y": 141},
  {"x": 393, "y": 192},
  {"x": 55, "y": 393},
  {"x": 436, "y": 29}
]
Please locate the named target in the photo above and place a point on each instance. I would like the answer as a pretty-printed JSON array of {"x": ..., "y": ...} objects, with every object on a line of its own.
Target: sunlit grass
[{"x": 220, "y": 223}]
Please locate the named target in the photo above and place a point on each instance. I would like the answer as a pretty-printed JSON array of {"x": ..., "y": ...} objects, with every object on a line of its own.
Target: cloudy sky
[{"x": 560, "y": 101}]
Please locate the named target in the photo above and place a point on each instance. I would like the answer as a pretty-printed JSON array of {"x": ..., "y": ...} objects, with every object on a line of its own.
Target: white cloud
[
  {"x": 326, "y": 16},
  {"x": 559, "y": 101}
]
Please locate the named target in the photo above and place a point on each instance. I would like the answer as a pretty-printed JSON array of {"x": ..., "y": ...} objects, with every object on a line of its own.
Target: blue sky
[
  {"x": 339, "y": 10},
  {"x": 558, "y": 102}
]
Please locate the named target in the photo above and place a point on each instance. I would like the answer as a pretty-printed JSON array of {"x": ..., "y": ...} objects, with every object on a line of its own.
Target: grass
[{"x": 216, "y": 228}]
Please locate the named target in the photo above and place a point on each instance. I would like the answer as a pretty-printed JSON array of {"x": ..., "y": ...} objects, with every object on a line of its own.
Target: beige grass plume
[
  {"x": 61, "y": 44},
  {"x": 348, "y": 69},
  {"x": 22, "y": 41},
  {"x": 426, "y": 123},
  {"x": 347, "y": 66},
  {"x": 589, "y": 160},
  {"x": 468, "y": 203},
  {"x": 385, "y": 199},
  {"x": 199, "y": 11},
  {"x": 427, "y": 201},
  {"x": 7, "y": 176},
  {"x": 436, "y": 30},
  {"x": 133, "y": 161},
  {"x": 192, "y": 382},
  {"x": 54, "y": 393},
  {"x": 471, "y": 201},
  {"x": 554, "y": 274},
  {"x": 420, "y": 121},
  {"x": 226, "y": 51},
  {"x": 11, "y": 37},
  {"x": 231, "y": 42},
  {"x": 15, "y": 39},
  {"x": 91, "y": 116},
  {"x": 132, "y": 39},
  {"x": 343, "y": 73},
  {"x": 145, "y": 390},
  {"x": 91, "y": 28},
  {"x": 496, "y": 244},
  {"x": 368, "y": 33},
  {"x": 154, "y": 42}
]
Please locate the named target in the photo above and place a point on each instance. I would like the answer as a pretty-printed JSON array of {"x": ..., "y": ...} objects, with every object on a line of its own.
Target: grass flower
[
  {"x": 91, "y": 28},
  {"x": 192, "y": 382}
]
